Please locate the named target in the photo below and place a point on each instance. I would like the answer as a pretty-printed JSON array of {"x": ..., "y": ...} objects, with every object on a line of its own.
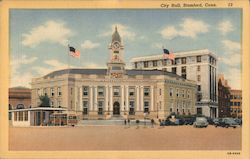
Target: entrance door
[{"x": 116, "y": 108}]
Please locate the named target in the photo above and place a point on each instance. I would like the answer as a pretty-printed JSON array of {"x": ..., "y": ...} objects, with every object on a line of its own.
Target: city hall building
[
  {"x": 197, "y": 65},
  {"x": 117, "y": 91}
]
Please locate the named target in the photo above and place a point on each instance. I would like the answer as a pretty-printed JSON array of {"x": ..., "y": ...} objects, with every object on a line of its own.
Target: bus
[{"x": 61, "y": 119}]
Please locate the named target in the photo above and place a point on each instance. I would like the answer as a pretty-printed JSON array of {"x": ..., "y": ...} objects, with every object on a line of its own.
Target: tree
[{"x": 45, "y": 101}]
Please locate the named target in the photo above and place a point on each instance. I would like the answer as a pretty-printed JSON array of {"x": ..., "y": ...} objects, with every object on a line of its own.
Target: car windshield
[
  {"x": 230, "y": 120},
  {"x": 201, "y": 119}
]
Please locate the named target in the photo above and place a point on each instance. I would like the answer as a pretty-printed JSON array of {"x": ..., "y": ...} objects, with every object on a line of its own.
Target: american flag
[
  {"x": 168, "y": 55},
  {"x": 73, "y": 52}
]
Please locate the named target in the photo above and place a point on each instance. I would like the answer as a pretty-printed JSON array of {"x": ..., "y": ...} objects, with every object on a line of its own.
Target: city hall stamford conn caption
[{"x": 117, "y": 91}]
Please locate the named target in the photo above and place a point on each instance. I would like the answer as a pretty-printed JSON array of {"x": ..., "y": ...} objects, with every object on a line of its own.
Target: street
[{"x": 124, "y": 138}]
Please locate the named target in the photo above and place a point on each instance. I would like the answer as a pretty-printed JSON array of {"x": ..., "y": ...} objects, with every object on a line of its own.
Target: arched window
[{"x": 20, "y": 106}]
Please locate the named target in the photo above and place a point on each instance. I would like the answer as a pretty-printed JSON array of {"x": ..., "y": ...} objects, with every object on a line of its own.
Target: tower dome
[{"x": 116, "y": 36}]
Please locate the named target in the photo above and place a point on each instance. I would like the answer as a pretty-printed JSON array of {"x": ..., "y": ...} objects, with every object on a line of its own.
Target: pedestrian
[
  {"x": 125, "y": 122},
  {"x": 128, "y": 123},
  {"x": 152, "y": 123}
]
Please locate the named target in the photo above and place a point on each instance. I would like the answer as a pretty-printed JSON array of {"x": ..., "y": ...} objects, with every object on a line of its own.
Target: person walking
[
  {"x": 128, "y": 123},
  {"x": 152, "y": 123},
  {"x": 125, "y": 122}
]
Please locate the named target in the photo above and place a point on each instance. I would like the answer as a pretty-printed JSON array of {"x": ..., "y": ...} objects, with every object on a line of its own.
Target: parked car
[
  {"x": 166, "y": 123},
  {"x": 210, "y": 121},
  {"x": 238, "y": 121},
  {"x": 226, "y": 122},
  {"x": 189, "y": 121},
  {"x": 200, "y": 122}
]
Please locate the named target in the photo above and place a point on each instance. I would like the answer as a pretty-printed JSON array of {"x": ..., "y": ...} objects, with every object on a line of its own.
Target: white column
[
  {"x": 141, "y": 98},
  {"x": 126, "y": 95},
  {"x": 106, "y": 97},
  {"x": 95, "y": 99},
  {"x": 80, "y": 96},
  {"x": 152, "y": 98},
  {"x": 137, "y": 98},
  {"x": 122, "y": 98},
  {"x": 91, "y": 97},
  {"x": 111, "y": 98}
]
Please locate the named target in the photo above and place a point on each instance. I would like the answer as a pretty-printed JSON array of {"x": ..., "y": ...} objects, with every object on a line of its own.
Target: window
[
  {"x": 199, "y": 111},
  {"x": 100, "y": 107},
  {"x": 183, "y": 72},
  {"x": 199, "y": 88},
  {"x": 20, "y": 116},
  {"x": 26, "y": 115},
  {"x": 171, "y": 110},
  {"x": 52, "y": 92},
  {"x": 85, "y": 107},
  {"x": 116, "y": 91},
  {"x": 183, "y": 60},
  {"x": 164, "y": 62},
  {"x": 136, "y": 65},
  {"x": 171, "y": 91},
  {"x": 100, "y": 91},
  {"x": 188, "y": 94},
  {"x": 45, "y": 92},
  {"x": 183, "y": 93},
  {"x": 174, "y": 70},
  {"x": 146, "y": 106},
  {"x": 198, "y": 78},
  {"x": 146, "y": 91},
  {"x": 71, "y": 91},
  {"x": 85, "y": 91},
  {"x": 198, "y": 58},
  {"x": 145, "y": 64},
  {"x": 59, "y": 103},
  {"x": 198, "y": 68},
  {"x": 131, "y": 91},
  {"x": 199, "y": 97},
  {"x": 15, "y": 116},
  {"x": 59, "y": 92},
  {"x": 177, "y": 93},
  {"x": 160, "y": 92},
  {"x": 52, "y": 103},
  {"x": 131, "y": 108},
  {"x": 155, "y": 63}
]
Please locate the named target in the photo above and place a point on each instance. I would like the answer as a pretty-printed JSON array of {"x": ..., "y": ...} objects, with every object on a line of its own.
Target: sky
[{"x": 39, "y": 38}]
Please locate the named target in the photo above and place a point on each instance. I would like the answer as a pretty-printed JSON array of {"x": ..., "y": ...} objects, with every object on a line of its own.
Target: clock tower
[{"x": 116, "y": 64}]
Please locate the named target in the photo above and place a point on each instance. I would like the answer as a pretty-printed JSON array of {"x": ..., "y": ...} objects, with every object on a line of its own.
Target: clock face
[{"x": 116, "y": 45}]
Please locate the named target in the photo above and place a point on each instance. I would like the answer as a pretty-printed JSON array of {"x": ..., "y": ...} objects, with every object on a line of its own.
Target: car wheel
[
  {"x": 226, "y": 126},
  {"x": 216, "y": 126},
  {"x": 234, "y": 127}
]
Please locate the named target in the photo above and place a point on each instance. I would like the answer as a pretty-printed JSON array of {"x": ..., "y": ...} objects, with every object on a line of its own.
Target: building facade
[
  {"x": 236, "y": 103},
  {"x": 199, "y": 66},
  {"x": 19, "y": 98},
  {"x": 223, "y": 97},
  {"x": 117, "y": 91}
]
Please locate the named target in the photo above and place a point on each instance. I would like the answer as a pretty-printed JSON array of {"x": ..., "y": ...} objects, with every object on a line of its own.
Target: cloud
[
  {"x": 157, "y": 45},
  {"x": 232, "y": 59},
  {"x": 225, "y": 27},
  {"x": 87, "y": 44},
  {"x": 52, "y": 65},
  {"x": 231, "y": 46},
  {"x": 187, "y": 28},
  {"x": 17, "y": 78},
  {"x": 17, "y": 62},
  {"x": 93, "y": 65},
  {"x": 124, "y": 31},
  {"x": 51, "y": 31},
  {"x": 234, "y": 78}
]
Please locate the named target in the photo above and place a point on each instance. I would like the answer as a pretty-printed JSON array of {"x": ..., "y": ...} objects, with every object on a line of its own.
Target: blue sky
[{"x": 39, "y": 38}]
